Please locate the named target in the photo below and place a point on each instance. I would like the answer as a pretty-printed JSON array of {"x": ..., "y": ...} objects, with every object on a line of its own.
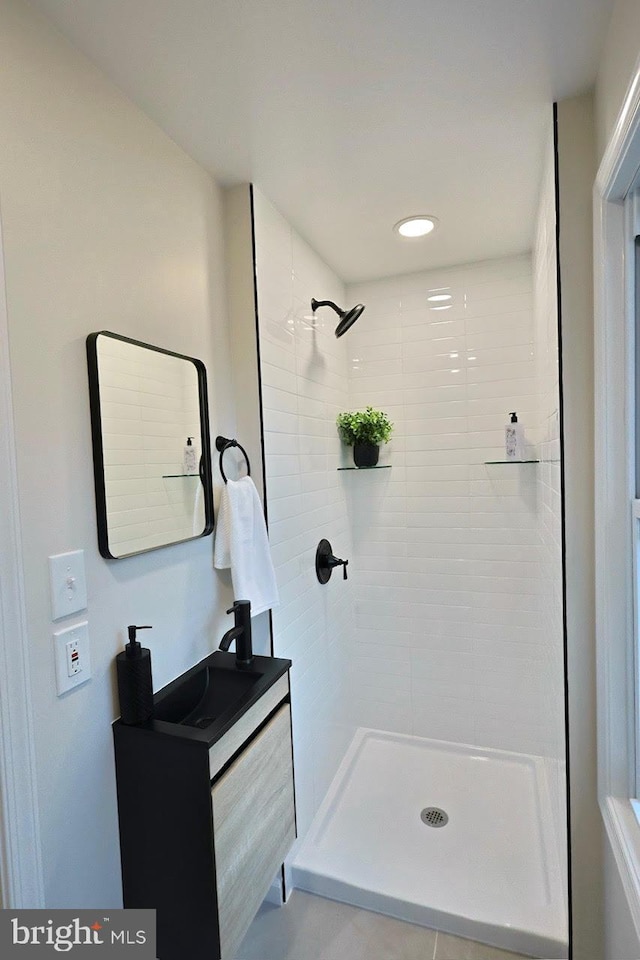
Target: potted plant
[{"x": 365, "y": 430}]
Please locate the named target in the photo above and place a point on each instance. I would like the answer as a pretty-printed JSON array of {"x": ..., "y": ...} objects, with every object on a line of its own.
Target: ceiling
[{"x": 352, "y": 114}]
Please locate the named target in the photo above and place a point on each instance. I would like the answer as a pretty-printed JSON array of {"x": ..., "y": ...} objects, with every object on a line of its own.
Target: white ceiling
[{"x": 351, "y": 114}]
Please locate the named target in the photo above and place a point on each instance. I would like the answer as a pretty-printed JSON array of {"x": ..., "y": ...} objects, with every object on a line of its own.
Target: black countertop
[{"x": 265, "y": 670}]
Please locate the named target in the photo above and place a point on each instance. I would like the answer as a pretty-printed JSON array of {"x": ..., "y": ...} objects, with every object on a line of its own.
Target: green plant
[{"x": 364, "y": 426}]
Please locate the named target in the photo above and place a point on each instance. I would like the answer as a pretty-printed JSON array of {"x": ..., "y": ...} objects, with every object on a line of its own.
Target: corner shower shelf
[
  {"x": 487, "y": 462},
  {"x": 382, "y": 466},
  {"x": 170, "y": 476}
]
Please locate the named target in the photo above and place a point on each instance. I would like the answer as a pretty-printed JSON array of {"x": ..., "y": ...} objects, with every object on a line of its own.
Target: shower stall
[{"x": 428, "y": 687}]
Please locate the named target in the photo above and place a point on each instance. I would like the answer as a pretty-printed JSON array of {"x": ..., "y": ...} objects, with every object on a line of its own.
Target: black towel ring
[{"x": 224, "y": 443}]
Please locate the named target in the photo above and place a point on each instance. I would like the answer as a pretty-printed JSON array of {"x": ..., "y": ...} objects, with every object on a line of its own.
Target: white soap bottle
[
  {"x": 190, "y": 462},
  {"x": 514, "y": 439}
]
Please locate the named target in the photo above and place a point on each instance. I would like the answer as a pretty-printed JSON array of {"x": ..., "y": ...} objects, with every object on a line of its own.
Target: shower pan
[{"x": 445, "y": 835}]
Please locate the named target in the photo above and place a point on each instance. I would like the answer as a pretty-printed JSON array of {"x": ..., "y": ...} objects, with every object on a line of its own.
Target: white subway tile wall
[
  {"x": 149, "y": 406},
  {"x": 304, "y": 387},
  {"x": 452, "y": 567}
]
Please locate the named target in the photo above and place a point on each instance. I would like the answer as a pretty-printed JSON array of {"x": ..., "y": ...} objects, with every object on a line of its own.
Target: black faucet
[{"x": 241, "y": 633}]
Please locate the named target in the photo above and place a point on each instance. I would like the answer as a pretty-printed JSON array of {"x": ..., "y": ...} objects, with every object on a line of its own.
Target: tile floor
[{"x": 312, "y": 928}]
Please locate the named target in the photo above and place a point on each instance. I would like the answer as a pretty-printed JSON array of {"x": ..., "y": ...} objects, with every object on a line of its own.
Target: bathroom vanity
[{"x": 206, "y": 803}]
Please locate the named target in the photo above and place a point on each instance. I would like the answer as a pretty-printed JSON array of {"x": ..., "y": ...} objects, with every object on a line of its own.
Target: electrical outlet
[{"x": 73, "y": 665}]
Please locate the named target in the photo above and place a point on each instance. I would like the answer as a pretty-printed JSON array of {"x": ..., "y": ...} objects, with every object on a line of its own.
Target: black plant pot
[{"x": 365, "y": 454}]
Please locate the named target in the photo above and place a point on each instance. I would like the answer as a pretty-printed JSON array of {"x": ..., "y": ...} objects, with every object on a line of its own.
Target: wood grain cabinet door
[{"x": 253, "y": 827}]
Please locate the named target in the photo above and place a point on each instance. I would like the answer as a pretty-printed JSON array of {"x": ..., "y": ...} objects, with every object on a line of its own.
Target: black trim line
[
  {"x": 563, "y": 530},
  {"x": 264, "y": 487},
  {"x": 259, "y": 374}
]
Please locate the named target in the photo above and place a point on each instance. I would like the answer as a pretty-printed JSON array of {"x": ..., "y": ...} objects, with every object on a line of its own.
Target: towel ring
[{"x": 224, "y": 443}]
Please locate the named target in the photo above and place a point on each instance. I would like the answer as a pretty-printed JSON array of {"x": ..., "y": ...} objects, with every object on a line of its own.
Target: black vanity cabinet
[{"x": 207, "y": 813}]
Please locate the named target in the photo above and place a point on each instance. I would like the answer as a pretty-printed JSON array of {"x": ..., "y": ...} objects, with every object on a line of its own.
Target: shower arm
[{"x": 326, "y": 303}]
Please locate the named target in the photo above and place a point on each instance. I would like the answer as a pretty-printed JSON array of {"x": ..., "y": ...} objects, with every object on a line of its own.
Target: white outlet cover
[
  {"x": 80, "y": 633},
  {"x": 68, "y": 584}
]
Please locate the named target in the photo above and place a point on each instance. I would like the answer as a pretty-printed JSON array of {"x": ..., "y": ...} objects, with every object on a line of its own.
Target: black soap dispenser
[{"x": 135, "y": 686}]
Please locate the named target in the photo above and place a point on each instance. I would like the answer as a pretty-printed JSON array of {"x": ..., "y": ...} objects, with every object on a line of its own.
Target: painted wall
[
  {"x": 618, "y": 63},
  {"x": 305, "y": 385},
  {"x": 576, "y": 173},
  {"x": 459, "y": 651},
  {"x": 107, "y": 225}
]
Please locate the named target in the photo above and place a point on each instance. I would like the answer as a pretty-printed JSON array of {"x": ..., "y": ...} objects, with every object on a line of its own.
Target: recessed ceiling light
[
  {"x": 415, "y": 227},
  {"x": 439, "y": 296}
]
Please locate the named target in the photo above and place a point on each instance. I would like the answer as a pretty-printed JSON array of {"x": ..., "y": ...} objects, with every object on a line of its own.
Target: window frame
[{"x": 615, "y": 493}]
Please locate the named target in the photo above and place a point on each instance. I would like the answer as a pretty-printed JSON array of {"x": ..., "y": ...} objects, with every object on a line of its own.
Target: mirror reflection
[{"x": 151, "y": 445}]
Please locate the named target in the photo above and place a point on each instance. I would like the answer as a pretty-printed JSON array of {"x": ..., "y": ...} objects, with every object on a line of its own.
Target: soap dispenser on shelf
[
  {"x": 190, "y": 461},
  {"x": 514, "y": 439},
  {"x": 135, "y": 684}
]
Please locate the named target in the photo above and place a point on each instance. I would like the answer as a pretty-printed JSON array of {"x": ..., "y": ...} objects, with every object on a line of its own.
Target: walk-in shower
[{"x": 428, "y": 688}]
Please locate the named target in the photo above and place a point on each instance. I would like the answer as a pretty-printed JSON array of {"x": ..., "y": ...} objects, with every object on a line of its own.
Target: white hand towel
[{"x": 242, "y": 543}]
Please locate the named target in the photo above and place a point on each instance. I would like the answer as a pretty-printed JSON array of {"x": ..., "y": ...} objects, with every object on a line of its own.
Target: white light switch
[
  {"x": 73, "y": 664},
  {"x": 68, "y": 584}
]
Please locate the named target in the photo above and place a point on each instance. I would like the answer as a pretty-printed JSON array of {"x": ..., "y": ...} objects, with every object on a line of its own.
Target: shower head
[{"x": 347, "y": 317}]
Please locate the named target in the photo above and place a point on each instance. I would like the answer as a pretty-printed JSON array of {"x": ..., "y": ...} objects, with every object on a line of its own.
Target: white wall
[
  {"x": 576, "y": 173},
  {"x": 456, "y": 650},
  {"x": 304, "y": 376},
  {"x": 107, "y": 225},
  {"x": 619, "y": 56}
]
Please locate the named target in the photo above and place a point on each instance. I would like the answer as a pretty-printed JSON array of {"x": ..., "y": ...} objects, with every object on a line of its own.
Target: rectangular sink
[
  {"x": 204, "y": 696},
  {"x": 210, "y": 697}
]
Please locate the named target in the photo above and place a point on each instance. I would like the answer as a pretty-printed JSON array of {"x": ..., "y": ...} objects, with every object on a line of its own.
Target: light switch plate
[
  {"x": 78, "y": 637},
  {"x": 68, "y": 584}
]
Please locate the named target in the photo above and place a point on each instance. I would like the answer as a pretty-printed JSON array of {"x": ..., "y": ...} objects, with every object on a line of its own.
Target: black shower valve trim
[{"x": 325, "y": 562}]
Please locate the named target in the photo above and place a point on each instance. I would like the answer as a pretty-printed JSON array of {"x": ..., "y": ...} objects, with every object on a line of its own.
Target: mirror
[{"x": 145, "y": 403}]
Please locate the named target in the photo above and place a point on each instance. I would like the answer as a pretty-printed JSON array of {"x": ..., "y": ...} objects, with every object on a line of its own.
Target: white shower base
[{"x": 491, "y": 874}]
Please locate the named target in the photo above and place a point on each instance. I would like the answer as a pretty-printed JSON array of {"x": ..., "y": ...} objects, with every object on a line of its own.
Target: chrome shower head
[{"x": 347, "y": 317}]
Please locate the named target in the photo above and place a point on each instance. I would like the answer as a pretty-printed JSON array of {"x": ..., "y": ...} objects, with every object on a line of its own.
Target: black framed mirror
[{"x": 153, "y": 488}]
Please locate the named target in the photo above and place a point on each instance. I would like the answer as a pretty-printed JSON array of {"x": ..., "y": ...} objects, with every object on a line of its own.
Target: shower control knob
[{"x": 325, "y": 562}]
